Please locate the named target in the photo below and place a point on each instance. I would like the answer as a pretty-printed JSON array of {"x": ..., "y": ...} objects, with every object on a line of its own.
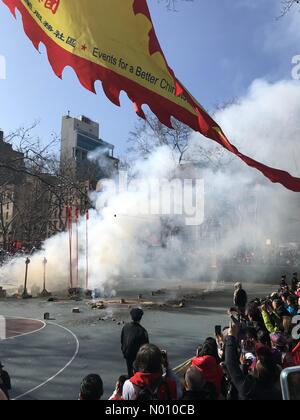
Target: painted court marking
[
  {"x": 61, "y": 370},
  {"x": 40, "y": 325}
]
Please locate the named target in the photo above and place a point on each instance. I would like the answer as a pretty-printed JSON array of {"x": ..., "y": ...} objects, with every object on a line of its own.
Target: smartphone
[
  {"x": 290, "y": 384},
  {"x": 243, "y": 349},
  {"x": 218, "y": 330}
]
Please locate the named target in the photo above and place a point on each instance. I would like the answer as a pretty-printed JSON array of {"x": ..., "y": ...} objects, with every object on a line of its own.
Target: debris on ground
[
  {"x": 76, "y": 311},
  {"x": 159, "y": 292},
  {"x": 97, "y": 305},
  {"x": 176, "y": 304},
  {"x": 2, "y": 293}
]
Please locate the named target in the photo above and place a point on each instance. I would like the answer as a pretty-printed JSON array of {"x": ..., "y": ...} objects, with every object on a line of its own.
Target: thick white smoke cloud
[
  {"x": 121, "y": 236},
  {"x": 264, "y": 124}
]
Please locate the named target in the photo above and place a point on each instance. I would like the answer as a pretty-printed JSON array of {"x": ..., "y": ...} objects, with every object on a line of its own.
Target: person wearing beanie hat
[{"x": 133, "y": 337}]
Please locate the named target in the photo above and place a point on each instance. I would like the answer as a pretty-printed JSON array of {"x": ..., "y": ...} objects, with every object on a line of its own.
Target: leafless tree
[
  {"x": 33, "y": 182},
  {"x": 6, "y": 218},
  {"x": 287, "y": 6},
  {"x": 150, "y": 134}
]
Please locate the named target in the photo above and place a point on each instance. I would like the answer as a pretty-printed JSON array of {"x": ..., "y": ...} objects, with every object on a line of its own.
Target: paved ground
[
  {"x": 19, "y": 327},
  {"x": 50, "y": 362}
]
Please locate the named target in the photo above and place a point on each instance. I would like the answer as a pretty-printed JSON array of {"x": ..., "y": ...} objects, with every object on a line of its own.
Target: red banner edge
[{"x": 88, "y": 73}]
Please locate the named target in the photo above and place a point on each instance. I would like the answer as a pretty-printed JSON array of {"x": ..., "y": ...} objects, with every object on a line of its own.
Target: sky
[{"x": 217, "y": 48}]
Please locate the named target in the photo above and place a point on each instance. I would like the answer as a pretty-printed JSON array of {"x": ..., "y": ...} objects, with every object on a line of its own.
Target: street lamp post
[
  {"x": 45, "y": 292},
  {"x": 25, "y": 293}
]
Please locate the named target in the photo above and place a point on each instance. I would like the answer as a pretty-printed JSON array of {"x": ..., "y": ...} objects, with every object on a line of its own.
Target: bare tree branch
[
  {"x": 287, "y": 6},
  {"x": 34, "y": 184},
  {"x": 150, "y": 134}
]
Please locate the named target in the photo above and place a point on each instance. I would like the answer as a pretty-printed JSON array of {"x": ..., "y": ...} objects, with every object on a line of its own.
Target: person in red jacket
[
  {"x": 212, "y": 372},
  {"x": 118, "y": 392},
  {"x": 148, "y": 382}
]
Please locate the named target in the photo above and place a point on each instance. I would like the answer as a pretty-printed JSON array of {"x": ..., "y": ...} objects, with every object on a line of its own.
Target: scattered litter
[
  {"x": 76, "y": 311},
  {"x": 159, "y": 292},
  {"x": 97, "y": 305},
  {"x": 2, "y": 293}
]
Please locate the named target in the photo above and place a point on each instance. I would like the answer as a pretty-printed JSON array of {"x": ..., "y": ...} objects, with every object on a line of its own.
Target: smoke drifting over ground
[
  {"x": 124, "y": 237},
  {"x": 241, "y": 207},
  {"x": 265, "y": 125}
]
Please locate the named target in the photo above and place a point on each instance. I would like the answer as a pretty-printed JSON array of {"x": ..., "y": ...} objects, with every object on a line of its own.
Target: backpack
[{"x": 151, "y": 392}]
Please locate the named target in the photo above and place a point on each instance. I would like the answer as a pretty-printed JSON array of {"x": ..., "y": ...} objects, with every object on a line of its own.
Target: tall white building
[{"x": 79, "y": 137}]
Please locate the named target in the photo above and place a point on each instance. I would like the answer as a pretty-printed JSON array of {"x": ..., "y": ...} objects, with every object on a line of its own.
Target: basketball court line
[
  {"x": 42, "y": 323},
  {"x": 61, "y": 370}
]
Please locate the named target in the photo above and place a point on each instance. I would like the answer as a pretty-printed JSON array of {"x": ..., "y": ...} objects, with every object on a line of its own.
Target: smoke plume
[{"x": 242, "y": 209}]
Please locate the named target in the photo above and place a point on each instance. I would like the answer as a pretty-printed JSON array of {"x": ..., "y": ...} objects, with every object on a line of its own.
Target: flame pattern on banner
[{"x": 88, "y": 72}]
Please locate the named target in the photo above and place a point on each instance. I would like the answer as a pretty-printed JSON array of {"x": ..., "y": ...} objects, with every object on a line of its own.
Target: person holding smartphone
[{"x": 264, "y": 382}]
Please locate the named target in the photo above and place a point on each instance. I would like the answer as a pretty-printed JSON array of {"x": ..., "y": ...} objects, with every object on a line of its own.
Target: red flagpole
[
  {"x": 77, "y": 248},
  {"x": 69, "y": 217},
  {"x": 87, "y": 251}
]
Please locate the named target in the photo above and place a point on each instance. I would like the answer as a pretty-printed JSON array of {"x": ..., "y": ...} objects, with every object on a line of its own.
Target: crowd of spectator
[
  {"x": 270, "y": 255},
  {"x": 242, "y": 361}
]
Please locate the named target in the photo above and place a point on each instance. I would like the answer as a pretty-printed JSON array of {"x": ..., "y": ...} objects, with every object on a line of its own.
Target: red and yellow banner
[{"x": 114, "y": 41}]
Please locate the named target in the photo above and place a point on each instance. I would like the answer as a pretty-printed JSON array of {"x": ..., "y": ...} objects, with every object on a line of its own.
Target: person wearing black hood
[
  {"x": 209, "y": 348},
  {"x": 133, "y": 337}
]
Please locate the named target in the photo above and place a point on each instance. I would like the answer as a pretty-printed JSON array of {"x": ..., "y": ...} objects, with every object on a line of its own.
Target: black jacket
[
  {"x": 249, "y": 387},
  {"x": 134, "y": 336},
  {"x": 5, "y": 384},
  {"x": 295, "y": 282},
  {"x": 240, "y": 299}
]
